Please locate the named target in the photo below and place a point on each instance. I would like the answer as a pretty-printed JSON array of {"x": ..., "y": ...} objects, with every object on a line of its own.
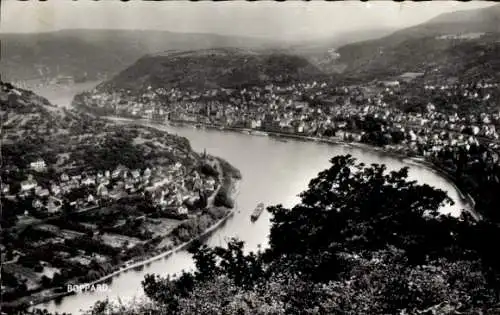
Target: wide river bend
[{"x": 273, "y": 172}]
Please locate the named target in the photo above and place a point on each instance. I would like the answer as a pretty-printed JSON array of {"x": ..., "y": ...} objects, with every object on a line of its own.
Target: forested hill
[
  {"x": 463, "y": 44},
  {"x": 212, "y": 68},
  {"x": 362, "y": 241}
]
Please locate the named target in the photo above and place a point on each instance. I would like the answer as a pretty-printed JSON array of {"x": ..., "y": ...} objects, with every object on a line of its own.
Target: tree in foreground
[{"x": 361, "y": 241}]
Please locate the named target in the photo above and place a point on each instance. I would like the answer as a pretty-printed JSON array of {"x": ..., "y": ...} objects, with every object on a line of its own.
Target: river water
[{"x": 273, "y": 172}]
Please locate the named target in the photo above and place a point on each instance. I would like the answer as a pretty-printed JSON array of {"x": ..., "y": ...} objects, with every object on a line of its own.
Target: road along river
[{"x": 273, "y": 172}]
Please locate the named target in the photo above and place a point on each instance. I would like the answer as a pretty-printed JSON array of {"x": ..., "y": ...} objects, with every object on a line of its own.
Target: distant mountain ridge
[
  {"x": 99, "y": 54},
  {"x": 95, "y": 54}
]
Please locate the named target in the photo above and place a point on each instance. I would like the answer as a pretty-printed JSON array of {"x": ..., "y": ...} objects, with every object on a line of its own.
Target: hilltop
[
  {"x": 462, "y": 44},
  {"x": 25, "y": 113},
  {"x": 96, "y": 54},
  {"x": 213, "y": 68}
]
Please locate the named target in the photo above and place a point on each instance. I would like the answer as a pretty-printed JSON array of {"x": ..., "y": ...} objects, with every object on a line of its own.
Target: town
[
  {"x": 250, "y": 158},
  {"x": 399, "y": 114},
  {"x": 93, "y": 203}
]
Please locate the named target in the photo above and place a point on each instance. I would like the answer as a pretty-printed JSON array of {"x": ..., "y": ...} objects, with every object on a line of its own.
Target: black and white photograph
[{"x": 245, "y": 158}]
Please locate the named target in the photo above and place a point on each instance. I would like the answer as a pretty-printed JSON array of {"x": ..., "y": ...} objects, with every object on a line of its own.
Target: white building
[
  {"x": 38, "y": 165},
  {"x": 28, "y": 185},
  {"x": 88, "y": 181},
  {"x": 56, "y": 190},
  {"x": 182, "y": 210}
]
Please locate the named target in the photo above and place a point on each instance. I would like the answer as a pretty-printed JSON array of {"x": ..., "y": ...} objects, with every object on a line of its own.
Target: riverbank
[
  {"x": 416, "y": 160},
  {"x": 52, "y": 294}
]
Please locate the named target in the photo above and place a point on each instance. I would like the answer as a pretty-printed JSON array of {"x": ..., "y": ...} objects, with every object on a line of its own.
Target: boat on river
[
  {"x": 257, "y": 212},
  {"x": 258, "y": 133}
]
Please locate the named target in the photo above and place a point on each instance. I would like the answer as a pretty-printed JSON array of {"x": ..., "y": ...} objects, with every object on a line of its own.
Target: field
[
  {"x": 161, "y": 226},
  {"x": 118, "y": 241},
  {"x": 21, "y": 272}
]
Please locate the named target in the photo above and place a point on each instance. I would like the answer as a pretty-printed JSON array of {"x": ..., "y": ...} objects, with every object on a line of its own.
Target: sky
[{"x": 275, "y": 20}]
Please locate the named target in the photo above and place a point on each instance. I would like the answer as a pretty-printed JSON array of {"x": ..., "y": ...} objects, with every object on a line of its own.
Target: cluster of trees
[
  {"x": 208, "y": 170},
  {"x": 91, "y": 245},
  {"x": 361, "y": 241},
  {"x": 115, "y": 149},
  {"x": 95, "y": 271},
  {"x": 133, "y": 228},
  {"x": 80, "y": 101},
  {"x": 477, "y": 173},
  {"x": 13, "y": 287},
  {"x": 23, "y": 152},
  {"x": 223, "y": 198},
  {"x": 192, "y": 228}
]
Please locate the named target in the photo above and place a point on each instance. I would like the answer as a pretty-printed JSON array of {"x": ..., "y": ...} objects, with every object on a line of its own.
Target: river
[{"x": 273, "y": 172}]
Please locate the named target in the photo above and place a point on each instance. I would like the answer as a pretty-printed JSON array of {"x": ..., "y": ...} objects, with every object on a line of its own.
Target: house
[
  {"x": 159, "y": 198},
  {"x": 38, "y": 165},
  {"x": 102, "y": 190},
  {"x": 28, "y": 184},
  {"x": 182, "y": 210},
  {"x": 42, "y": 192},
  {"x": 150, "y": 188},
  {"x": 117, "y": 194},
  {"x": 5, "y": 188},
  {"x": 104, "y": 181},
  {"x": 147, "y": 173},
  {"x": 135, "y": 174},
  {"x": 65, "y": 188},
  {"x": 475, "y": 130},
  {"x": 53, "y": 205},
  {"x": 88, "y": 181},
  {"x": 37, "y": 203},
  {"x": 210, "y": 183},
  {"x": 157, "y": 182},
  {"x": 107, "y": 174},
  {"x": 55, "y": 189},
  {"x": 73, "y": 184},
  {"x": 129, "y": 184},
  {"x": 116, "y": 173},
  {"x": 76, "y": 178},
  {"x": 197, "y": 184},
  {"x": 91, "y": 199},
  {"x": 300, "y": 128},
  {"x": 412, "y": 135},
  {"x": 64, "y": 177}
]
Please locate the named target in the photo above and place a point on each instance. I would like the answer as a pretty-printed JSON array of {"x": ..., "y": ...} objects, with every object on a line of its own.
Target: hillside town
[
  {"x": 407, "y": 112},
  {"x": 91, "y": 190}
]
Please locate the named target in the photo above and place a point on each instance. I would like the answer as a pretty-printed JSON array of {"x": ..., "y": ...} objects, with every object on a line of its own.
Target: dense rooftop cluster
[{"x": 434, "y": 116}]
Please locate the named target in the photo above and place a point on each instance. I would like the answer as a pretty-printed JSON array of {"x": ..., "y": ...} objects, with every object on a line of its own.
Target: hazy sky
[{"x": 285, "y": 20}]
